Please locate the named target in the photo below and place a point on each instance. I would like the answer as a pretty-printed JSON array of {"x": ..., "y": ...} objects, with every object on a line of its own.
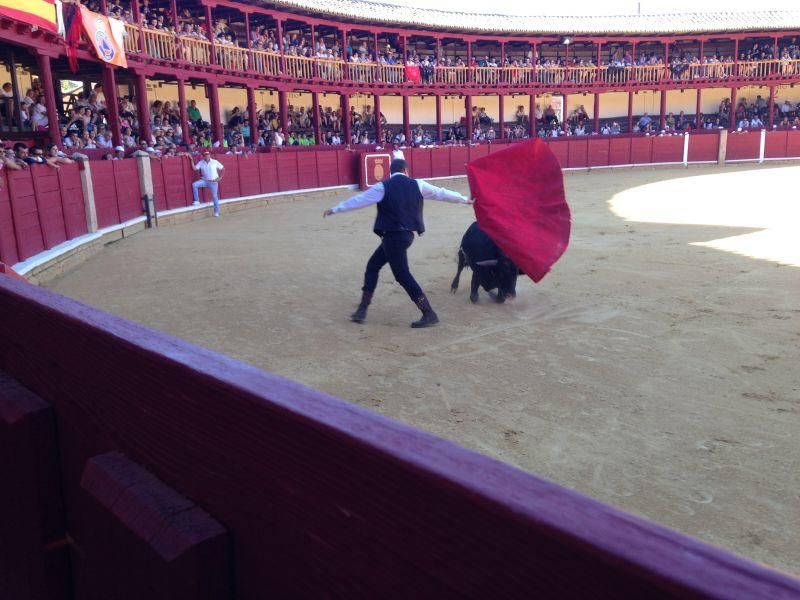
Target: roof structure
[{"x": 430, "y": 18}]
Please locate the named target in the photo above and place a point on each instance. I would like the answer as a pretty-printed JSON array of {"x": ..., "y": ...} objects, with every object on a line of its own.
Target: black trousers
[{"x": 393, "y": 248}]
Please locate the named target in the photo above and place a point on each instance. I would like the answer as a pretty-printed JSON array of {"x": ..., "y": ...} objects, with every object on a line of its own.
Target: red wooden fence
[
  {"x": 320, "y": 498},
  {"x": 41, "y": 207}
]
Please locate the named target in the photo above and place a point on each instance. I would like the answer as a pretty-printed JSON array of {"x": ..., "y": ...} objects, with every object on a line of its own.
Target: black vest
[{"x": 401, "y": 207}]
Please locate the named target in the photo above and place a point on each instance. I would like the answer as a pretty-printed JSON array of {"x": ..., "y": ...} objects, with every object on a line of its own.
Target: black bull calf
[{"x": 491, "y": 268}]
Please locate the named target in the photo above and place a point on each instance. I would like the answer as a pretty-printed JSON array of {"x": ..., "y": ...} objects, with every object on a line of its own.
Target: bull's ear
[{"x": 486, "y": 263}]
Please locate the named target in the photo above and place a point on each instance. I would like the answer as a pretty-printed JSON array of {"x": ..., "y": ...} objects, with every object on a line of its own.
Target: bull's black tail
[{"x": 462, "y": 262}]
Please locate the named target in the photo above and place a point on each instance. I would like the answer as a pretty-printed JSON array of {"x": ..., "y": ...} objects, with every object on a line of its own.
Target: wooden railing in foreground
[{"x": 319, "y": 498}]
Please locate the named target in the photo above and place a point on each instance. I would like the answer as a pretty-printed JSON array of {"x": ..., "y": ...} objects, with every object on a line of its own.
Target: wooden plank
[
  {"x": 33, "y": 558},
  {"x": 138, "y": 538},
  {"x": 326, "y": 499}
]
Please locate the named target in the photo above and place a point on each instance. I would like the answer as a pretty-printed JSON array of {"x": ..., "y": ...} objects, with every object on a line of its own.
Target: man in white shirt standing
[
  {"x": 211, "y": 172},
  {"x": 399, "y": 200}
]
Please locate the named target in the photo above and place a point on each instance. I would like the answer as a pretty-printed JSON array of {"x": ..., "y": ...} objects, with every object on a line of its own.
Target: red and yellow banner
[
  {"x": 41, "y": 13},
  {"x": 98, "y": 31}
]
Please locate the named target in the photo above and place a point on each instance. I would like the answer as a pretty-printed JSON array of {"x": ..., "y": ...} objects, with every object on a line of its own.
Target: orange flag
[
  {"x": 100, "y": 34},
  {"x": 41, "y": 13}
]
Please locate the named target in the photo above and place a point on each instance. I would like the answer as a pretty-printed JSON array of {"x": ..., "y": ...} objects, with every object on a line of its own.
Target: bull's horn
[{"x": 486, "y": 263}]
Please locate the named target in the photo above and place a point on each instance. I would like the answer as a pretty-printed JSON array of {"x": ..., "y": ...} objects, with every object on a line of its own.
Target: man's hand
[
  {"x": 470, "y": 201},
  {"x": 327, "y": 213}
]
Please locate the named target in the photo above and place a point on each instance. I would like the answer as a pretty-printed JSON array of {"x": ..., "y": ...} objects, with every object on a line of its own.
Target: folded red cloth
[{"x": 520, "y": 204}]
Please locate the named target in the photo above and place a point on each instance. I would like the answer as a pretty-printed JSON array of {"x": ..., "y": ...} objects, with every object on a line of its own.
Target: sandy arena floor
[{"x": 656, "y": 368}]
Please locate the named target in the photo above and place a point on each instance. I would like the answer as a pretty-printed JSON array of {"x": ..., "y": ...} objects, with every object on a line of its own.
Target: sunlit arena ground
[{"x": 655, "y": 368}]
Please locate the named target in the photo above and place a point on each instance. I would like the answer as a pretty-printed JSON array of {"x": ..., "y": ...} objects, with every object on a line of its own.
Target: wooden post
[
  {"x": 112, "y": 103},
  {"x": 376, "y": 100},
  {"x": 596, "y": 126},
  {"x": 213, "y": 102},
  {"x": 15, "y": 101},
  {"x": 501, "y": 114},
  {"x": 315, "y": 118},
  {"x": 210, "y": 34},
  {"x": 252, "y": 114},
  {"x": 182, "y": 109},
  {"x": 630, "y": 112},
  {"x": 565, "y": 114},
  {"x": 438, "y": 98},
  {"x": 662, "y": 120},
  {"x": 88, "y": 195},
  {"x": 284, "y": 110},
  {"x": 146, "y": 188},
  {"x": 468, "y": 106},
  {"x": 46, "y": 74},
  {"x": 247, "y": 30},
  {"x": 532, "y": 115},
  {"x": 771, "y": 121},
  {"x": 732, "y": 116},
  {"x": 345, "y": 97},
  {"x": 406, "y": 120},
  {"x": 469, "y": 63},
  {"x": 143, "y": 109},
  {"x": 279, "y": 35},
  {"x": 698, "y": 123}
]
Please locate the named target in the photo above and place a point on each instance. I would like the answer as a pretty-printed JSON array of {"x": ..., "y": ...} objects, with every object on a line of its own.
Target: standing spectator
[{"x": 211, "y": 172}]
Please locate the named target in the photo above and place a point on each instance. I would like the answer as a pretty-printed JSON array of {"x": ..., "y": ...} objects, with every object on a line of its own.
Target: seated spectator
[
  {"x": 119, "y": 153},
  {"x": 54, "y": 157},
  {"x": 645, "y": 122}
]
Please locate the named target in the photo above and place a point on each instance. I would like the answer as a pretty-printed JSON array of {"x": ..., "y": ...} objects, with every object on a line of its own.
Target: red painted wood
[
  {"x": 577, "y": 152},
  {"x": 308, "y": 177},
  {"x": 599, "y": 149},
  {"x": 159, "y": 188},
  {"x": 327, "y": 168},
  {"x": 129, "y": 194},
  {"x": 668, "y": 149},
  {"x": 326, "y": 499},
  {"x": 349, "y": 167},
  {"x": 31, "y": 505},
  {"x": 72, "y": 201},
  {"x": 288, "y": 177},
  {"x": 775, "y": 144},
  {"x": 619, "y": 150},
  {"x": 743, "y": 145},
  {"x": 8, "y": 238},
  {"x": 141, "y": 539},
  {"x": 459, "y": 157},
  {"x": 48, "y": 200},
  {"x": 641, "y": 149},
  {"x": 704, "y": 147},
  {"x": 268, "y": 173},
  {"x": 229, "y": 186},
  {"x": 793, "y": 143},
  {"x": 27, "y": 230},
  {"x": 440, "y": 162},
  {"x": 249, "y": 179},
  {"x": 560, "y": 149},
  {"x": 178, "y": 177},
  {"x": 478, "y": 151},
  {"x": 105, "y": 193},
  {"x": 422, "y": 163}
]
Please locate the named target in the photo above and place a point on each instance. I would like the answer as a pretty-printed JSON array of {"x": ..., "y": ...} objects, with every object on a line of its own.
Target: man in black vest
[{"x": 399, "y": 200}]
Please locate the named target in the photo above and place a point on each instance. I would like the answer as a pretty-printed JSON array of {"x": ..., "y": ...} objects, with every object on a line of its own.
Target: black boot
[
  {"x": 429, "y": 317},
  {"x": 361, "y": 311}
]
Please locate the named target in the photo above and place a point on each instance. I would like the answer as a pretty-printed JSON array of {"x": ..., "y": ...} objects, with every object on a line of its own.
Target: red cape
[{"x": 520, "y": 204}]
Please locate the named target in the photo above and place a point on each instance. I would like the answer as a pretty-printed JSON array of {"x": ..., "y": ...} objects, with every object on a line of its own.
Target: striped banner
[{"x": 41, "y": 13}]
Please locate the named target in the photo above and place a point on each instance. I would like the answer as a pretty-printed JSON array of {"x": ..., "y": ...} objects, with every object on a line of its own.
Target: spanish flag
[{"x": 41, "y": 13}]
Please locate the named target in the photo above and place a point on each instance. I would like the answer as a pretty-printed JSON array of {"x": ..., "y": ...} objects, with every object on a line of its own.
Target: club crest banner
[
  {"x": 41, "y": 13},
  {"x": 100, "y": 33}
]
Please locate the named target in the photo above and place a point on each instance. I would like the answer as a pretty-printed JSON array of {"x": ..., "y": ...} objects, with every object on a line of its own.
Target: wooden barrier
[
  {"x": 743, "y": 146},
  {"x": 324, "y": 498},
  {"x": 33, "y": 551}
]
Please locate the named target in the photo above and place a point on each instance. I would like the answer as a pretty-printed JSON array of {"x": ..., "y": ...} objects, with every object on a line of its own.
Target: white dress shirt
[
  {"x": 375, "y": 194},
  {"x": 209, "y": 170}
]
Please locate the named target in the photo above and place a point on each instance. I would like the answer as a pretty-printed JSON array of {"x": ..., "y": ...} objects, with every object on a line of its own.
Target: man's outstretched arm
[
  {"x": 367, "y": 198},
  {"x": 431, "y": 192}
]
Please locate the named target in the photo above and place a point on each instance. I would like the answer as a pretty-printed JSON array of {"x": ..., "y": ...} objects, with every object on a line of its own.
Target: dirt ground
[{"x": 656, "y": 367}]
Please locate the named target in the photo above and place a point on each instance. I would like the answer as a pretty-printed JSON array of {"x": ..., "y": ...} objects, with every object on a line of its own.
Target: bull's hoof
[
  {"x": 473, "y": 298},
  {"x": 499, "y": 298},
  {"x": 453, "y": 289}
]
